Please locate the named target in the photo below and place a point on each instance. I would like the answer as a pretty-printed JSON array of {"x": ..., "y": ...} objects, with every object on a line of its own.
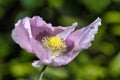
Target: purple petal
[
  {"x": 59, "y": 29},
  {"x": 36, "y": 63},
  {"x": 37, "y": 21},
  {"x": 68, "y": 30},
  {"x": 82, "y": 39},
  {"x": 40, "y": 28},
  {"x": 21, "y": 34},
  {"x": 42, "y": 53},
  {"x": 64, "y": 59}
]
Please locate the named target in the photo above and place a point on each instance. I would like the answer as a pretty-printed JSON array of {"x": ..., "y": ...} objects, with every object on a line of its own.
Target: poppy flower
[{"x": 53, "y": 45}]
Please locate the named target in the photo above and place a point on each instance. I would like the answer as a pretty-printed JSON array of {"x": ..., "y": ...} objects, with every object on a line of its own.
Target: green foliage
[
  {"x": 100, "y": 62},
  {"x": 115, "y": 66},
  {"x": 32, "y": 4},
  {"x": 2, "y": 11},
  {"x": 112, "y": 17},
  {"x": 68, "y": 20},
  {"x": 20, "y": 69},
  {"x": 107, "y": 48},
  {"x": 96, "y": 5},
  {"x": 59, "y": 73},
  {"x": 56, "y": 4},
  {"x": 91, "y": 72},
  {"x": 5, "y": 48},
  {"x": 116, "y": 30}
]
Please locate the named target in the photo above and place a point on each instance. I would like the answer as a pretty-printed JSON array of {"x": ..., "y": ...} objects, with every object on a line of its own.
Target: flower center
[{"x": 55, "y": 44}]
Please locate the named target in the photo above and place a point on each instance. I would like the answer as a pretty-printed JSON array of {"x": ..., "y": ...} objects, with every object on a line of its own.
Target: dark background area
[{"x": 100, "y": 62}]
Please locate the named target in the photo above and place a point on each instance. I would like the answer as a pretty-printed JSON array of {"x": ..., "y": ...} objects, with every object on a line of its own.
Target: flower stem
[{"x": 42, "y": 72}]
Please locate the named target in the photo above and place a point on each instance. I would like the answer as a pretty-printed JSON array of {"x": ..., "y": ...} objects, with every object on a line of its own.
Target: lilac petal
[
  {"x": 60, "y": 61},
  {"x": 40, "y": 32},
  {"x": 64, "y": 34},
  {"x": 42, "y": 53},
  {"x": 40, "y": 28},
  {"x": 21, "y": 34},
  {"x": 82, "y": 39},
  {"x": 37, "y": 21},
  {"x": 36, "y": 63},
  {"x": 59, "y": 29},
  {"x": 64, "y": 59}
]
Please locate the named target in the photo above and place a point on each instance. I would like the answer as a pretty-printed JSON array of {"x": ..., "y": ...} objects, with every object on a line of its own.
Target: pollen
[{"x": 55, "y": 44}]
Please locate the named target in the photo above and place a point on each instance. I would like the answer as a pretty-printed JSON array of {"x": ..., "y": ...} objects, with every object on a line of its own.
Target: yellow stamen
[{"x": 55, "y": 44}]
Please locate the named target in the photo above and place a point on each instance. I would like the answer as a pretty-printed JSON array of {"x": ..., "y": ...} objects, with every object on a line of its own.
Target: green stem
[{"x": 42, "y": 72}]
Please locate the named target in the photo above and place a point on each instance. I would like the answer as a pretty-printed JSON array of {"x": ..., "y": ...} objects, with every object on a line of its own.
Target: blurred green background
[{"x": 99, "y": 62}]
